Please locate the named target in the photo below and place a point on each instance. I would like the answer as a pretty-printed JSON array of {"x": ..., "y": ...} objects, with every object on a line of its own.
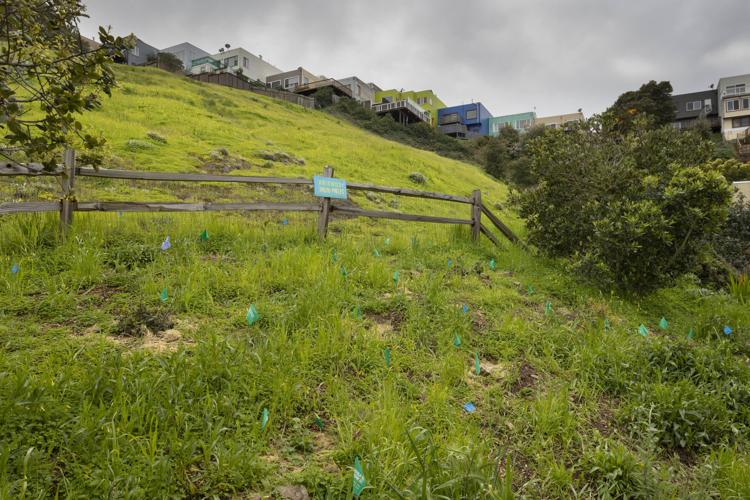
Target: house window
[
  {"x": 276, "y": 84},
  {"x": 738, "y": 104},
  {"x": 245, "y": 62},
  {"x": 231, "y": 62},
  {"x": 291, "y": 83},
  {"x": 386, "y": 98},
  {"x": 471, "y": 114},
  {"x": 523, "y": 124},
  {"x": 735, "y": 89},
  {"x": 741, "y": 122},
  {"x": 693, "y": 106},
  {"x": 449, "y": 118}
]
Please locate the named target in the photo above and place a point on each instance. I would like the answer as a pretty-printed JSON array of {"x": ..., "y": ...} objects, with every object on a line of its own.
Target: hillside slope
[
  {"x": 130, "y": 368},
  {"x": 196, "y": 119}
]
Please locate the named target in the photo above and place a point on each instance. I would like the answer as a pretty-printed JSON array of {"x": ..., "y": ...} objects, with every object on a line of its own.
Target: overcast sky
[{"x": 512, "y": 55}]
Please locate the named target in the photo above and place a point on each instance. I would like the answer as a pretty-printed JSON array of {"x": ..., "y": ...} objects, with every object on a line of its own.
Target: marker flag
[
  {"x": 375, "y": 253},
  {"x": 691, "y": 334},
  {"x": 358, "y": 480},
  {"x": 465, "y": 309},
  {"x": 343, "y": 271},
  {"x": 606, "y": 324},
  {"x": 387, "y": 355},
  {"x": 728, "y": 330},
  {"x": 204, "y": 235},
  {"x": 395, "y": 278},
  {"x": 163, "y": 294},
  {"x": 319, "y": 423},
  {"x": 450, "y": 262},
  {"x": 663, "y": 323},
  {"x": 387, "y": 241},
  {"x": 334, "y": 257},
  {"x": 252, "y": 315},
  {"x": 14, "y": 269},
  {"x": 264, "y": 419},
  {"x": 643, "y": 330},
  {"x": 469, "y": 407},
  {"x": 284, "y": 221},
  {"x": 492, "y": 265},
  {"x": 477, "y": 366},
  {"x": 531, "y": 290},
  {"x": 166, "y": 244},
  {"x": 457, "y": 340},
  {"x": 358, "y": 312},
  {"x": 548, "y": 308}
]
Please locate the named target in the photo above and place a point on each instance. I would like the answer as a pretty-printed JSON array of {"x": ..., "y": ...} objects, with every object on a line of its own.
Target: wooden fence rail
[{"x": 325, "y": 207}]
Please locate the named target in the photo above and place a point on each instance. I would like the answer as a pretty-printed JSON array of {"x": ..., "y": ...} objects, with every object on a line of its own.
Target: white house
[
  {"x": 734, "y": 106},
  {"x": 252, "y": 66},
  {"x": 187, "y": 53},
  {"x": 361, "y": 91}
]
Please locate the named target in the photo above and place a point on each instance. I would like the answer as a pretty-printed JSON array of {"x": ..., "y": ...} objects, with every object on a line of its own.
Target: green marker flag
[
  {"x": 663, "y": 324},
  {"x": 343, "y": 271},
  {"x": 643, "y": 330},
  {"x": 531, "y": 290},
  {"x": 334, "y": 257},
  {"x": 376, "y": 253},
  {"x": 606, "y": 324},
  {"x": 492, "y": 264},
  {"x": 395, "y": 278},
  {"x": 387, "y": 241},
  {"x": 252, "y": 315},
  {"x": 358, "y": 313},
  {"x": 319, "y": 423},
  {"x": 691, "y": 334},
  {"x": 457, "y": 340},
  {"x": 387, "y": 355},
  {"x": 548, "y": 308},
  {"x": 204, "y": 235},
  {"x": 358, "y": 481},
  {"x": 163, "y": 294},
  {"x": 477, "y": 366},
  {"x": 264, "y": 419}
]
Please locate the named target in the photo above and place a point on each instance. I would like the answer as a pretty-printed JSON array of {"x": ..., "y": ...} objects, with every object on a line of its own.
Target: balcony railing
[
  {"x": 406, "y": 104},
  {"x": 330, "y": 82}
]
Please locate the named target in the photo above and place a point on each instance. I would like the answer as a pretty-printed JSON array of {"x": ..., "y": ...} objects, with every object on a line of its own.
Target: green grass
[{"x": 92, "y": 405}]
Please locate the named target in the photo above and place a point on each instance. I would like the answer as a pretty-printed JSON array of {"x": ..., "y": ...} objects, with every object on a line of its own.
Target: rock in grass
[
  {"x": 138, "y": 145},
  {"x": 156, "y": 137},
  {"x": 417, "y": 178},
  {"x": 296, "y": 492}
]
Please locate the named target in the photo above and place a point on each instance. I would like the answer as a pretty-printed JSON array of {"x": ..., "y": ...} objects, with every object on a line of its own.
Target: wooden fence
[
  {"x": 68, "y": 204},
  {"x": 230, "y": 80}
]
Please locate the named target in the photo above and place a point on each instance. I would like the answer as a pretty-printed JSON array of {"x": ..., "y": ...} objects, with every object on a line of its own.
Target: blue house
[{"x": 467, "y": 120}]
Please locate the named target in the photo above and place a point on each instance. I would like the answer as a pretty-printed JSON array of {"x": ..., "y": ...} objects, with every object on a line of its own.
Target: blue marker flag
[
  {"x": 728, "y": 330},
  {"x": 14, "y": 269},
  {"x": 469, "y": 407},
  {"x": 450, "y": 262},
  {"x": 465, "y": 308},
  {"x": 166, "y": 244}
]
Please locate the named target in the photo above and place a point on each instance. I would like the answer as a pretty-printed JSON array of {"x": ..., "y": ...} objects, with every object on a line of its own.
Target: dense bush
[
  {"x": 632, "y": 212},
  {"x": 418, "y": 135},
  {"x": 732, "y": 169},
  {"x": 733, "y": 242}
]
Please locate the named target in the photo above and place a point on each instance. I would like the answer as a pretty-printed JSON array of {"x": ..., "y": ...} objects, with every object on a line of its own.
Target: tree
[
  {"x": 166, "y": 61},
  {"x": 49, "y": 75},
  {"x": 631, "y": 212},
  {"x": 653, "y": 101}
]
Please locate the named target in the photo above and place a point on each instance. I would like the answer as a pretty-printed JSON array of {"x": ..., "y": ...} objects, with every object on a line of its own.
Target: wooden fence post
[
  {"x": 325, "y": 208},
  {"x": 476, "y": 214},
  {"x": 68, "y": 183}
]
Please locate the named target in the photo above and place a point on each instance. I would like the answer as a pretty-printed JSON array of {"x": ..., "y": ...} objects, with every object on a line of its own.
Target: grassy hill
[{"x": 108, "y": 390}]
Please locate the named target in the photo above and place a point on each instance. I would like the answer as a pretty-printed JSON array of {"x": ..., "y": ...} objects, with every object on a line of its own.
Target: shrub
[
  {"x": 138, "y": 145},
  {"x": 732, "y": 169},
  {"x": 739, "y": 287},
  {"x": 615, "y": 472},
  {"x": 631, "y": 212},
  {"x": 417, "y": 178},
  {"x": 156, "y": 137},
  {"x": 680, "y": 416},
  {"x": 732, "y": 243}
]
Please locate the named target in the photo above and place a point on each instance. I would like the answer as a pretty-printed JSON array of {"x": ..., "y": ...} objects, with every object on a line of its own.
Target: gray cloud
[{"x": 513, "y": 56}]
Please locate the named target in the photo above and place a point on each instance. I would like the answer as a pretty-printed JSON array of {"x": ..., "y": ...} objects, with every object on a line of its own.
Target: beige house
[
  {"x": 234, "y": 61},
  {"x": 559, "y": 121},
  {"x": 734, "y": 106},
  {"x": 290, "y": 80}
]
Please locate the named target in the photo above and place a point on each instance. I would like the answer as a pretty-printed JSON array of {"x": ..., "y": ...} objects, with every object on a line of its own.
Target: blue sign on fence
[{"x": 329, "y": 187}]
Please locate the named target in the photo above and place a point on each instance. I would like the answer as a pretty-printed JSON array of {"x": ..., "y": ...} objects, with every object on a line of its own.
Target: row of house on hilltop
[{"x": 725, "y": 107}]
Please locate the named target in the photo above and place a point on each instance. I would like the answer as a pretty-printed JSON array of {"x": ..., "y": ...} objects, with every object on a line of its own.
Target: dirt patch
[
  {"x": 101, "y": 292},
  {"x": 604, "y": 421},
  {"x": 166, "y": 341},
  {"x": 488, "y": 372},
  {"x": 527, "y": 379},
  {"x": 385, "y": 323},
  {"x": 478, "y": 321}
]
